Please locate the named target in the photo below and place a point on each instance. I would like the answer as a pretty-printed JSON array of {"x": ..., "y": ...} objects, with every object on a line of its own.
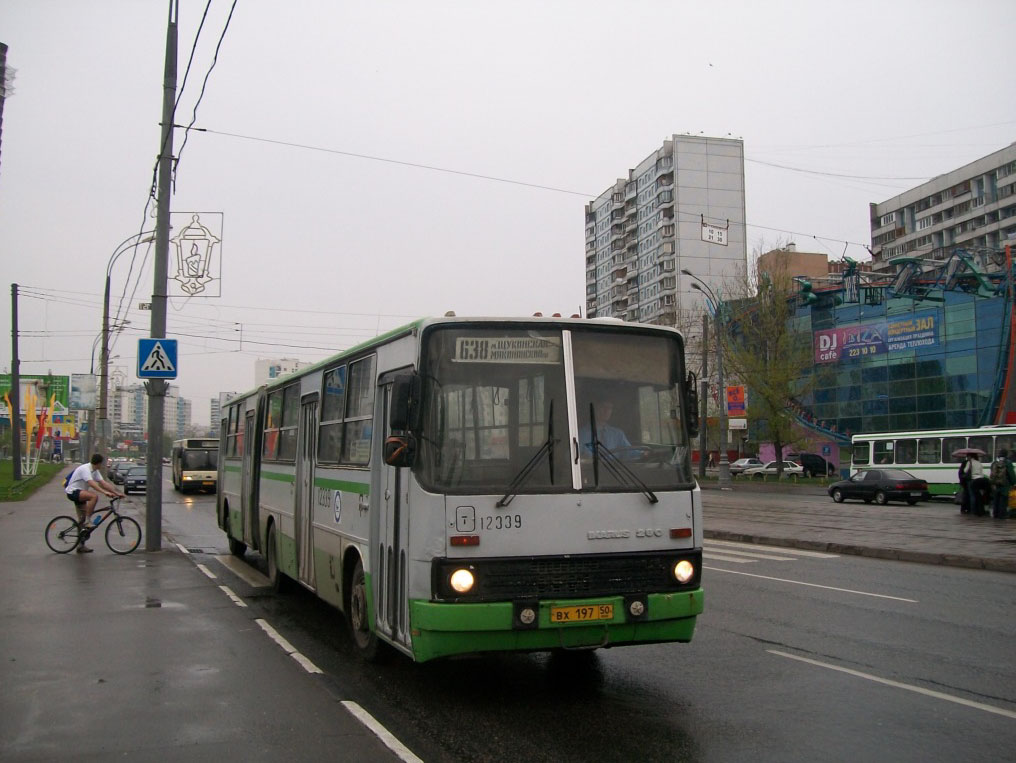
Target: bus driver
[{"x": 611, "y": 437}]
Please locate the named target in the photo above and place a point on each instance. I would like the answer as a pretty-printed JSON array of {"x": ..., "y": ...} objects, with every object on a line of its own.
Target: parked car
[
  {"x": 789, "y": 468},
  {"x": 814, "y": 465},
  {"x": 741, "y": 464},
  {"x": 881, "y": 486},
  {"x": 135, "y": 479}
]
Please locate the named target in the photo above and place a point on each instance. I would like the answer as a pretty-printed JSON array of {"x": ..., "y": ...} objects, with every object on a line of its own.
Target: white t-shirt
[
  {"x": 80, "y": 477},
  {"x": 975, "y": 468}
]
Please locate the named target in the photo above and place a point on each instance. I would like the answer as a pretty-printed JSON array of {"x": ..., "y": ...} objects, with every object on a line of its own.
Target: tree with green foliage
[{"x": 765, "y": 350}]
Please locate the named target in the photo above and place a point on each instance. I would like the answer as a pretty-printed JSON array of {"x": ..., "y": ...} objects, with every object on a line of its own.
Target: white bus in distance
[
  {"x": 928, "y": 454},
  {"x": 449, "y": 486},
  {"x": 195, "y": 464}
]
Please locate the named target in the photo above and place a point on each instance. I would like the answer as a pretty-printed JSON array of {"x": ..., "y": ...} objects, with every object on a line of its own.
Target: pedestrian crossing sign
[{"x": 156, "y": 358}]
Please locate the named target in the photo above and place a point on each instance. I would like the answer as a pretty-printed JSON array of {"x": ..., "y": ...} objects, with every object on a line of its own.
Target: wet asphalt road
[{"x": 798, "y": 657}]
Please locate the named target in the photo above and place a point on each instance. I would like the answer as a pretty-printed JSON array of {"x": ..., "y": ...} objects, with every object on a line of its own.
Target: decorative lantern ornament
[{"x": 194, "y": 247}]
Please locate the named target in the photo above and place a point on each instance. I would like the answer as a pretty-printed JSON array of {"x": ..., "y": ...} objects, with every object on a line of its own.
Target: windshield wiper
[
  {"x": 547, "y": 449},
  {"x": 618, "y": 469}
]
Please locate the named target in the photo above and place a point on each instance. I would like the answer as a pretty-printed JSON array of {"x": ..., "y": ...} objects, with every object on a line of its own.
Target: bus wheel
[
  {"x": 364, "y": 638},
  {"x": 276, "y": 579}
]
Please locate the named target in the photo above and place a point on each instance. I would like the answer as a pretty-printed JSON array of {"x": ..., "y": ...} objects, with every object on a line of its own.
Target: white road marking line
[
  {"x": 734, "y": 559},
  {"x": 815, "y": 585},
  {"x": 207, "y": 571},
  {"x": 777, "y": 549},
  {"x": 389, "y": 740},
  {"x": 725, "y": 550},
  {"x": 306, "y": 664},
  {"x": 236, "y": 599},
  {"x": 288, "y": 648},
  {"x": 182, "y": 549},
  {"x": 898, "y": 685}
]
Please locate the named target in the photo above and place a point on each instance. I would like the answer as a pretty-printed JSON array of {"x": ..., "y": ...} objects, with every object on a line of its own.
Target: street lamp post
[
  {"x": 123, "y": 246},
  {"x": 724, "y": 466}
]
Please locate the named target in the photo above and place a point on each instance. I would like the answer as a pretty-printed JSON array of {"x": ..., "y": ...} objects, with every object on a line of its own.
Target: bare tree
[{"x": 766, "y": 352}]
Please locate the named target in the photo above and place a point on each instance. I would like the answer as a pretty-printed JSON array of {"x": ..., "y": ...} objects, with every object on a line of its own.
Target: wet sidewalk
[
  {"x": 143, "y": 656},
  {"x": 805, "y": 517}
]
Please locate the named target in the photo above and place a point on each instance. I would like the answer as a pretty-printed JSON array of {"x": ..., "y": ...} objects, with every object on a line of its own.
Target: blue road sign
[{"x": 156, "y": 358}]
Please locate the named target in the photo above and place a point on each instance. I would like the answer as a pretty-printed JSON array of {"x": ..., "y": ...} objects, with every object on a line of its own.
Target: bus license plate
[{"x": 582, "y": 614}]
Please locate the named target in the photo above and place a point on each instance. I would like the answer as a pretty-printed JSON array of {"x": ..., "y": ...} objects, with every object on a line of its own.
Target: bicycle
[{"x": 123, "y": 534}]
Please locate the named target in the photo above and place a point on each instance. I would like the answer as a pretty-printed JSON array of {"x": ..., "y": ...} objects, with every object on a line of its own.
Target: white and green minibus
[
  {"x": 928, "y": 454},
  {"x": 465, "y": 485}
]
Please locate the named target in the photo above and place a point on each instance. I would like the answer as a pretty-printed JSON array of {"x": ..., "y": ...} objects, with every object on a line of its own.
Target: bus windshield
[
  {"x": 495, "y": 413},
  {"x": 200, "y": 460}
]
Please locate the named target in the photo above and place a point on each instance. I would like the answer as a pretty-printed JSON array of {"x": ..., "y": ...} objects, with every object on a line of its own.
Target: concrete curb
[{"x": 898, "y": 555}]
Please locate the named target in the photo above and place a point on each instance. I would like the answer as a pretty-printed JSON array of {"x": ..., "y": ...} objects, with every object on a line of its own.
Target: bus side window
[
  {"x": 884, "y": 452},
  {"x": 859, "y": 455},
  {"x": 928, "y": 450},
  {"x": 950, "y": 444},
  {"x": 906, "y": 451}
]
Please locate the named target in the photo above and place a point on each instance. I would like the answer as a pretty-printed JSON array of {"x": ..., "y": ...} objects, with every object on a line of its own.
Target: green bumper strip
[{"x": 441, "y": 630}]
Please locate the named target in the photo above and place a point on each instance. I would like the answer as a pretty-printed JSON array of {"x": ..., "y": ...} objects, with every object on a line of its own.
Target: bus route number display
[{"x": 507, "y": 349}]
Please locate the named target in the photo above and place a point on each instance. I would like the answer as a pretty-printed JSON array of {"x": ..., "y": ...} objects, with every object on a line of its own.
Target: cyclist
[{"x": 84, "y": 487}]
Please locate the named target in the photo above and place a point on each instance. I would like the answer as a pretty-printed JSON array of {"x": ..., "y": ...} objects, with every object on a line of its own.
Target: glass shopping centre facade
[{"x": 926, "y": 358}]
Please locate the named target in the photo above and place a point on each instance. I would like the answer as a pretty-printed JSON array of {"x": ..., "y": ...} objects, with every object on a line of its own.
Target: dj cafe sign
[{"x": 864, "y": 340}]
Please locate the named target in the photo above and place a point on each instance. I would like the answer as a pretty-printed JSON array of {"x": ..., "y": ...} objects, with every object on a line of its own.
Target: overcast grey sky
[{"x": 322, "y": 249}]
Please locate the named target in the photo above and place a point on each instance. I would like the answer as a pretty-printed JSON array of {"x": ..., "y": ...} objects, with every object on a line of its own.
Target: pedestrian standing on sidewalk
[
  {"x": 1003, "y": 477},
  {"x": 964, "y": 494},
  {"x": 83, "y": 488},
  {"x": 975, "y": 474}
]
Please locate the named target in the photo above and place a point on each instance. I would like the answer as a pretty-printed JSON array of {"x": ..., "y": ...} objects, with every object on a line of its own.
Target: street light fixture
[
  {"x": 128, "y": 243},
  {"x": 724, "y": 466}
]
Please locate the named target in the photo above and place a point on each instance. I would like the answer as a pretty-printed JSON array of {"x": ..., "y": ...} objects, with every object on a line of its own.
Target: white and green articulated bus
[{"x": 465, "y": 485}]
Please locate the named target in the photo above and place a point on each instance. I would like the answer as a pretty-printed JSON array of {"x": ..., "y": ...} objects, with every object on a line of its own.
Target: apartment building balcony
[
  {"x": 617, "y": 200},
  {"x": 630, "y": 191},
  {"x": 665, "y": 164},
  {"x": 665, "y": 181}
]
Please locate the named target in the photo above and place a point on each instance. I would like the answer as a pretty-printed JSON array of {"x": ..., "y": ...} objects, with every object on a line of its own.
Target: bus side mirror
[
  {"x": 403, "y": 412},
  {"x": 400, "y": 450},
  {"x": 691, "y": 404}
]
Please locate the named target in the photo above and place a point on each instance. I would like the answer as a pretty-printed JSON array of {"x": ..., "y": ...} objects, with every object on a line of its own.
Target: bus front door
[
  {"x": 391, "y": 497},
  {"x": 304, "y": 516}
]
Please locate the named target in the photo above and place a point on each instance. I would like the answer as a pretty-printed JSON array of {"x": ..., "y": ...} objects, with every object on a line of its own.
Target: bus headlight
[
  {"x": 462, "y": 581},
  {"x": 684, "y": 571}
]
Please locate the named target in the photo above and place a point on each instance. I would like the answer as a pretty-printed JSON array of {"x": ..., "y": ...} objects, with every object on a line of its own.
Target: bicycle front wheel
[
  {"x": 123, "y": 535},
  {"x": 63, "y": 534}
]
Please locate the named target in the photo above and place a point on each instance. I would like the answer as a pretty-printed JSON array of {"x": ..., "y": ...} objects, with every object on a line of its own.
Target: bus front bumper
[{"x": 443, "y": 629}]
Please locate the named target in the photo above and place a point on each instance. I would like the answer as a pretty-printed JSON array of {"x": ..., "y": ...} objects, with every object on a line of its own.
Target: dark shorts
[{"x": 75, "y": 496}]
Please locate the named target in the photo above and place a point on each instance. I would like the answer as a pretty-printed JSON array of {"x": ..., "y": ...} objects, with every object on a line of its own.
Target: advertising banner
[
  {"x": 735, "y": 401},
  {"x": 863, "y": 340},
  {"x": 83, "y": 392}
]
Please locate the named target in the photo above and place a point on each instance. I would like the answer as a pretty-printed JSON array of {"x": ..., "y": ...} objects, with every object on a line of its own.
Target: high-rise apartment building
[
  {"x": 266, "y": 370},
  {"x": 216, "y": 411},
  {"x": 972, "y": 208},
  {"x": 680, "y": 208}
]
